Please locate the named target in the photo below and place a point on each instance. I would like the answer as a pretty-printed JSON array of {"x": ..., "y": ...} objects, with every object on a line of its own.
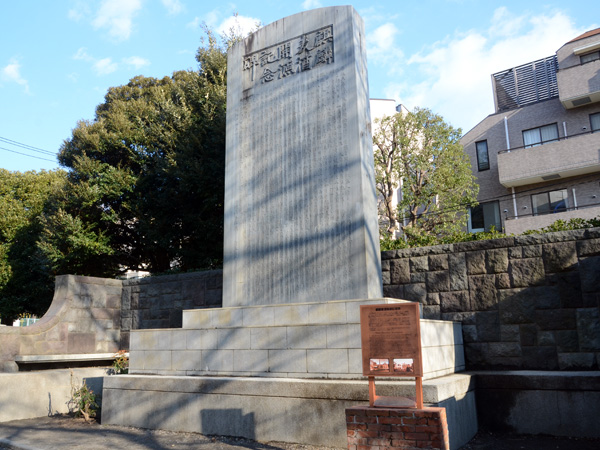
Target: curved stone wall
[{"x": 84, "y": 318}]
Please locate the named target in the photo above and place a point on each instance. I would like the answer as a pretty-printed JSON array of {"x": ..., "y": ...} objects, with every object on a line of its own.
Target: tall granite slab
[{"x": 300, "y": 202}]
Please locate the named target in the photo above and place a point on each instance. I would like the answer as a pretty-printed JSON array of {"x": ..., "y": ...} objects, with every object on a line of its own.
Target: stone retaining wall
[
  {"x": 525, "y": 302},
  {"x": 158, "y": 302}
]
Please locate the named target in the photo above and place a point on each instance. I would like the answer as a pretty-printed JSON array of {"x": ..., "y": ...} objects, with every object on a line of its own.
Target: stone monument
[
  {"x": 300, "y": 200},
  {"x": 280, "y": 360}
]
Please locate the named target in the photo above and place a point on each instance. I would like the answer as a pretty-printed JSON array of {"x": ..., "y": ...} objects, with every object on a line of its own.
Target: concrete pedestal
[
  {"x": 271, "y": 409},
  {"x": 300, "y": 340}
]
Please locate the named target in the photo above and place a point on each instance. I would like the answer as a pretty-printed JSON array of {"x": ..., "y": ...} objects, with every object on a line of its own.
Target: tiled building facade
[{"x": 537, "y": 158}]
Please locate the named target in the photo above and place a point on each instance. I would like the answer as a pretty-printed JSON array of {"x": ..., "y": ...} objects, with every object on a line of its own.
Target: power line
[
  {"x": 25, "y": 154},
  {"x": 26, "y": 146}
]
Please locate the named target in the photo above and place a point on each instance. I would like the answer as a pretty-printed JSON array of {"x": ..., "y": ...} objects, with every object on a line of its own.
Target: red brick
[
  {"x": 415, "y": 421},
  {"x": 393, "y": 420},
  {"x": 428, "y": 414},
  {"x": 378, "y": 412},
  {"x": 392, "y": 435},
  {"x": 403, "y": 443},
  {"x": 437, "y": 444},
  {"x": 402, "y": 412},
  {"x": 351, "y": 446},
  {"x": 356, "y": 426},
  {"x": 379, "y": 427},
  {"x": 367, "y": 434},
  {"x": 427, "y": 429},
  {"x": 417, "y": 436},
  {"x": 367, "y": 420}
]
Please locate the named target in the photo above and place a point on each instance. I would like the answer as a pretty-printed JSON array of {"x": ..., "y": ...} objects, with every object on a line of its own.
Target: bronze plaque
[{"x": 391, "y": 340}]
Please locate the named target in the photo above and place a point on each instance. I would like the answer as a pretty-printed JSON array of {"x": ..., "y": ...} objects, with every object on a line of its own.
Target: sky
[{"x": 58, "y": 58}]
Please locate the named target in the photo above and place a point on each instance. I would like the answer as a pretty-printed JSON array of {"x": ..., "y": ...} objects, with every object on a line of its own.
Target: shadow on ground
[{"x": 59, "y": 432}]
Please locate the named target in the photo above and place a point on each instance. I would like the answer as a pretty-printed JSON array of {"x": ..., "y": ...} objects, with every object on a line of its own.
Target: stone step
[
  {"x": 292, "y": 410},
  {"x": 304, "y": 351},
  {"x": 336, "y": 311}
]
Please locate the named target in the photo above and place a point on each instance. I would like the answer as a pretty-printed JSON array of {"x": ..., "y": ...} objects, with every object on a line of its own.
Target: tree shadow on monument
[{"x": 297, "y": 217}]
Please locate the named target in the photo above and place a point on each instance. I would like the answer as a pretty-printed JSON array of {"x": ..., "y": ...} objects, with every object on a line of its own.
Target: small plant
[
  {"x": 121, "y": 364},
  {"x": 84, "y": 401}
]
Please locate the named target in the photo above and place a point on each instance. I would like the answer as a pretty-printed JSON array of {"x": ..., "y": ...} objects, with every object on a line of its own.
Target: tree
[
  {"x": 26, "y": 283},
  {"x": 146, "y": 179},
  {"x": 420, "y": 153}
]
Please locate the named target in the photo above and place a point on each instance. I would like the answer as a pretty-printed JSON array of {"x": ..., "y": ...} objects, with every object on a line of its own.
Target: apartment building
[{"x": 537, "y": 158}]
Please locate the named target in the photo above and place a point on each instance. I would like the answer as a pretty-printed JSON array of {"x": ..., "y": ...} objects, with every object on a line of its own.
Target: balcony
[
  {"x": 514, "y": 225},
  {"x": 579, "y": 85},
  {"x": 576, "y": 155}
]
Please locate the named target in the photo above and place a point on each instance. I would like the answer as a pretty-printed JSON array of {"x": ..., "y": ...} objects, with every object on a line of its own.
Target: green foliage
[
  {"x": 562, "y": 225},
  {"x": 387, "y": 243},
  {"x": 26, "y": 283},
  {"x": 84, "y": 401},
  {"x": 424, "y": 152},
  {"x": 146, "y": 180},
  {"x": 121, "y": 364},
  {"x": 144, "y": 188}
]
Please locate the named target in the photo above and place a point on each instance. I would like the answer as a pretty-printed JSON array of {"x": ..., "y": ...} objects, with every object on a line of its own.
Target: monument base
[
  {"x": 407, "y": 429},
  {"x": 291, "y": 410},
  {"x": 296, "y": 340}
]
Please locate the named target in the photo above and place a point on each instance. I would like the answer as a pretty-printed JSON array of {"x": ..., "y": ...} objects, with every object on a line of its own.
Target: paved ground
[{"x": 60, "y": 432}]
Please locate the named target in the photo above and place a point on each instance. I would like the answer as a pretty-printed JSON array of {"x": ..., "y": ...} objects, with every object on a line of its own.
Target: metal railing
[
  {"x": 572, "y": 208},
  {"x": 563, "y": 138}
]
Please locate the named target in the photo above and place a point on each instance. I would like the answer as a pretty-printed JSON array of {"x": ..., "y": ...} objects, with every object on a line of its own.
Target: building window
[
  {"x": 550, "y": 202},
  {"x": 485, "y": 216},
  {"x": 483, "y": 158},
  {"x": 590, "y": 57},
  {"x": 540, "y": 135},
  {"x": 595, "y": 122}
]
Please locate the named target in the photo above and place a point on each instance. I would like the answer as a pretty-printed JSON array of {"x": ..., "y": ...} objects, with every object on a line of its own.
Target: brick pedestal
[{"x": 395, "y": 428}]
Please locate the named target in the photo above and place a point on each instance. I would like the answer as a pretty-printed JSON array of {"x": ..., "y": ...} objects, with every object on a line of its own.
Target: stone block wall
[
  {"x": 525, "y": 302},
  {"x": 158, "y": 302}
]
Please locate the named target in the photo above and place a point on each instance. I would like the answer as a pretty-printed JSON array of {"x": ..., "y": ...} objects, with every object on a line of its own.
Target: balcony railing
[
  {"x": 551, "y": 213},
  {"x": 522, "y": 223},
  {"x": 566, "y": 157},
  {"x": 564, "y": 138}
]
